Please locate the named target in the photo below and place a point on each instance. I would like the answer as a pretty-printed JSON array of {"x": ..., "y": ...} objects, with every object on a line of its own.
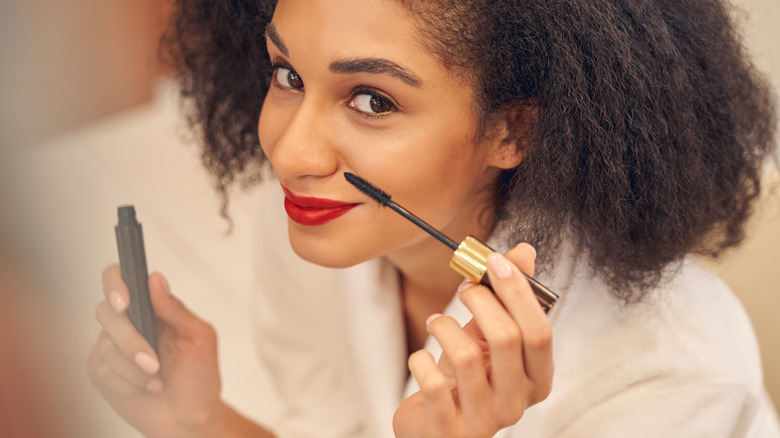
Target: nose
[{"x": 304, "y": 149}]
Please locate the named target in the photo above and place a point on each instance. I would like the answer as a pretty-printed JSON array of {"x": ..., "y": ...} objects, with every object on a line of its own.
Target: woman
[{"x": 616, "y": 137}]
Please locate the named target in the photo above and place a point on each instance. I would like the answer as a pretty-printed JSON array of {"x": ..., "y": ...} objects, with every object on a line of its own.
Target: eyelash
[
  {"x": 276, "y": 65},
  {"x": 361, "y": 89}
]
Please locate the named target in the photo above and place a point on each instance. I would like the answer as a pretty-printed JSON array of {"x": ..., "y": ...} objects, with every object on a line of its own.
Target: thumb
[{"x": 169, "y": 309}]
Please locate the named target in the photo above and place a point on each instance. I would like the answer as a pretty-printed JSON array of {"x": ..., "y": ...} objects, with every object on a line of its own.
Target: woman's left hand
[{"x": 492, "y": 369}]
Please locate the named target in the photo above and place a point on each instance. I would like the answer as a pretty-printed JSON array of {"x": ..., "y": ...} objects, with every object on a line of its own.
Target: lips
[{"x": 311, "y": 211}]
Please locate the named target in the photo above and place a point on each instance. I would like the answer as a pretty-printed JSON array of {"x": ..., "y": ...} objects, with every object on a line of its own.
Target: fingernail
[
  {"x": 499, "y": 265},
  {"x": 533, "y": 250},
  {"x": 154, "y": 385},
  {"x": 117, "y": 302},
  {"x": 147, "y": 362},
  {"x": 465, "y": 285},
  {"x": 431, "y": 319}
]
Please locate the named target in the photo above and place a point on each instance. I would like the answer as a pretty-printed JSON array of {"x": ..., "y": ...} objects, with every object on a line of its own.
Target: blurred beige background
[{"x": 66, "y": 63}]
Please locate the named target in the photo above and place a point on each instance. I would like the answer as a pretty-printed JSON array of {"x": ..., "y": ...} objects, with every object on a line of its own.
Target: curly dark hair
[{"x": 650, "y": 124}]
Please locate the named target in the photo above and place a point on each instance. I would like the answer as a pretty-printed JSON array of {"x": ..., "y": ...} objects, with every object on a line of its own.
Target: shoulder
[
  {"x": 685, "y": 357},
  {"x": 692, "y": 320}
]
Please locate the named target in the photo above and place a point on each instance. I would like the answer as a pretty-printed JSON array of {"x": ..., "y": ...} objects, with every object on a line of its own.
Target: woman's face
[{"x": 355, "y": 91}]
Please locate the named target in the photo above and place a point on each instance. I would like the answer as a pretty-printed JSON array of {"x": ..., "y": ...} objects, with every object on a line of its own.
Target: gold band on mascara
[{"x": 470, "y": 257}]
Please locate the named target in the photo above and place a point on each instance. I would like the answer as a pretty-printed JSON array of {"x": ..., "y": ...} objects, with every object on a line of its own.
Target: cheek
[
  {"x": 429, "y": 152},
  {"x": 442, "y": 155},
  {"x": 451, "y": 176},
  {"x": 435, "y": 182},
  {"x": 270, "y": 126}
]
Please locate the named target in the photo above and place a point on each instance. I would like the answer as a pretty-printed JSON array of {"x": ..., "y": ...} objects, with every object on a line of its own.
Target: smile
[{"x": 311, "y": 211}]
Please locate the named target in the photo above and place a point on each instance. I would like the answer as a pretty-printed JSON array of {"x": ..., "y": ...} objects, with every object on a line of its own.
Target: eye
[
  {"x": 371, "y": 103},
  {"x": 288, "y": 78}
]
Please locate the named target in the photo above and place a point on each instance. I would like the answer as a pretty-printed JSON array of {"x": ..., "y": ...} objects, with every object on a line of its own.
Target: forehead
[
  {"x": 336, "y": 29},
  {"x": 377, "y": 16}
]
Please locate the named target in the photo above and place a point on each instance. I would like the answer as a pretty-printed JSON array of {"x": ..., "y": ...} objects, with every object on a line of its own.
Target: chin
[{"x": 325, "y": 253}]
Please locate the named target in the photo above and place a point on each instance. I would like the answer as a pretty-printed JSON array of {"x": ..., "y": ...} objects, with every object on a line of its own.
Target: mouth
[{"x": 312, "y": 211}]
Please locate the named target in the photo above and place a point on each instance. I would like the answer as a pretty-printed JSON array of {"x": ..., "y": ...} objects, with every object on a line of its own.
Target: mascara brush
[{"x": 470, "y": 257}]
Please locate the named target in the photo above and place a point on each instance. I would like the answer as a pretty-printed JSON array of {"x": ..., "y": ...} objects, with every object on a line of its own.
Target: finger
[
  {"x": 515, "y": 293},
  {"x": 505, "y": 342},
  {"x": 128, "y": 370},
  {"x": 440, "y": 408},
  {"x": 523, "y": 255},
  {"x": 184, "y": 334},
  {"x": 105, "y": 380},
  {"x": 170, "y": 310},
  {"x": 124, "y": 335},
  {"x": 468, "y": 360},
  {"x": 114, "y": 288}
]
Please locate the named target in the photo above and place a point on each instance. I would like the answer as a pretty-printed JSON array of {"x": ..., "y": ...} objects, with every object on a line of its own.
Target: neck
[
  {"x": 424, "y": 266},
  {"x": 428, "y": 284}
]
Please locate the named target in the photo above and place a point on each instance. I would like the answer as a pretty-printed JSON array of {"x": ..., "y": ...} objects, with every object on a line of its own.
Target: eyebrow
[
  {"x": 375, "y": 66},
  {"x": 351, "y": 66},
  {"x": 273, "y": 35}
]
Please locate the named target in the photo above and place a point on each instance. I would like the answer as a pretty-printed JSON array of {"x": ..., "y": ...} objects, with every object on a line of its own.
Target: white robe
[{"x": 685, "y": 362}]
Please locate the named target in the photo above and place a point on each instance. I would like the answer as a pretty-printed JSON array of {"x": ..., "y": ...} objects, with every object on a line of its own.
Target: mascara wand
[
  {"x": 470, "y": 257},
  {"x": 383, "y": 199}
]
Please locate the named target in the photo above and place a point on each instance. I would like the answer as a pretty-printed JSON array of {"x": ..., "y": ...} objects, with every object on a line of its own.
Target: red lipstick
[{"x": 311, "y": 211}]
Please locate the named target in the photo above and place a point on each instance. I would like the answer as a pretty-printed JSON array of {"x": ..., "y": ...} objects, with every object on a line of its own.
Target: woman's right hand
[
  {"x": 175, "y": 394},
  {"x": 492, "y": 369}
]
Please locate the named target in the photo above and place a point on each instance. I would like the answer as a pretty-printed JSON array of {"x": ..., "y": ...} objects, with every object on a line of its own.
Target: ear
[{"x": 510, "y": 132}]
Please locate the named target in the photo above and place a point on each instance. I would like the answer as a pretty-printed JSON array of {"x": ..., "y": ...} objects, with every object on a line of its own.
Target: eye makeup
[
  {"x": 469, "y": 258},
  {"x": 363, "y": 96},
  {"x": 366, "y": 101},
  {"x": 293, "y": 80}
]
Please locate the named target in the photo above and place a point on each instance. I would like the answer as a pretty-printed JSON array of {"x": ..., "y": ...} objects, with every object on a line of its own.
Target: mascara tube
[
  {"x": 470, "y": 260},
  {"x": 132, "y": 261}
]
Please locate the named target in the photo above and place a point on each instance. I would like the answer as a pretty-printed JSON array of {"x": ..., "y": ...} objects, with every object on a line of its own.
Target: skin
[
  {"x": 424, "y": 149},
  {"x": 424, "y": 152},
  {"x": 316, "y": 125}
]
